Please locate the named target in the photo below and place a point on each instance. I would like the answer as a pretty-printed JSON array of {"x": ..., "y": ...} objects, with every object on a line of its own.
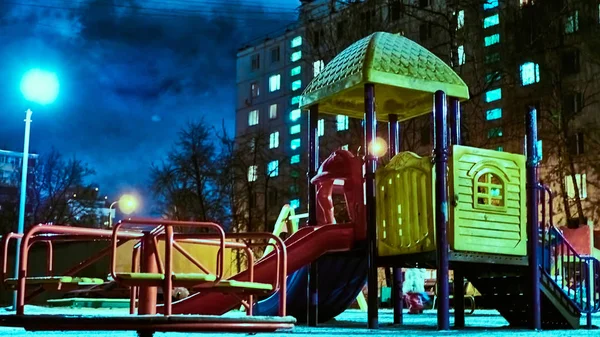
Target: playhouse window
[{"x": 489, "y": 190}]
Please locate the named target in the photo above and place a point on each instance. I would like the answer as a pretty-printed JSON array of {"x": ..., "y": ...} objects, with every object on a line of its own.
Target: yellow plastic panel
[
  {"x": 488, "y": 201},
  {"x": 405, "y": 216}
]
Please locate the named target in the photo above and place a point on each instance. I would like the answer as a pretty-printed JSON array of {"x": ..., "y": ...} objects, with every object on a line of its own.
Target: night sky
[{"x": 130, "y": 78}]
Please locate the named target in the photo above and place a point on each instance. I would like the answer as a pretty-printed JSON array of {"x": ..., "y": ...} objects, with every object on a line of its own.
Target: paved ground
[{"x": 350, "y": 323}]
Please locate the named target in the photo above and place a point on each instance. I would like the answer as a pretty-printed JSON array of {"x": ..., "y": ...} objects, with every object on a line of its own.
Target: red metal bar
[
  {"x": 161, "y": 266},
  {"x": 168, "y": 287},
  {"x": 190, "y": 257},
  {"x": 24, "y": 253},
  {"x": 147, "y": 298},
  {"x": 134, "y": 268}
]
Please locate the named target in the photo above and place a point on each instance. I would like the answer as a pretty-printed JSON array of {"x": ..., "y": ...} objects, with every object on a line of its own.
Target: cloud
[{"x": 130, "y": 78}]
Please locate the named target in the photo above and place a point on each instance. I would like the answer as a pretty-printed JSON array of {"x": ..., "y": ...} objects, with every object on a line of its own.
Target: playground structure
[{"x": 466, "y": 209}]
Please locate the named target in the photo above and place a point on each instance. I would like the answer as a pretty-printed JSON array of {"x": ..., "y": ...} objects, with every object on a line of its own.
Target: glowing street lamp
[
  {"x": 378, "y": 147},
  {"x": 40, "y": 87},
  {"x": 128, "y": 203}
]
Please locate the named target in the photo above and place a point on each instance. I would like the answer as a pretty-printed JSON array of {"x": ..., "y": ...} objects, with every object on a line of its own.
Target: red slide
[{"x": 305, "y": 246}]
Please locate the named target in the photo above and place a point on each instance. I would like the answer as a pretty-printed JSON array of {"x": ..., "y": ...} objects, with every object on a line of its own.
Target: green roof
[{"x": 405, "y": 75}]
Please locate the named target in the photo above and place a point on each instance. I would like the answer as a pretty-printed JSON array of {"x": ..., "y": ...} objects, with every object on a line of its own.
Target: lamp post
[
  {"x": 40, "y": 87},
  {"x": 128, "y": 203}
]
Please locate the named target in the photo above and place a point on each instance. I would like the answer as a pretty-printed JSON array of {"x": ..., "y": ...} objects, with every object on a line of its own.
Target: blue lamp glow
[{"x": 40, "y": 86}]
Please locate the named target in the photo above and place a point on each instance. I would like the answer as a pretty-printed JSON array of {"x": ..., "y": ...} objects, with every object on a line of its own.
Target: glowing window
[
  {"x": 296, "y": 56},
  {"x": 345, "y": 147},
  {"x": 491, "y": 21},
  {"x": 493, "y": 95},
  {"x": 295, "y": 159},
  {"x": 296, "y": 71},
  {"x": 253, "y": 117},
  {"x": 341, "y": 122},
  {"x": 295, "y": 100},
  {"x": 461, "y": 55},
  {"x": 274, "y": 83},
  {"x": 491, "y": 40},
  {"x": 273, "y": 111},
  {"x": 530, "y": 73},
  {"x": 460, "y": 19},
  {"x": 493, "y": 114},
  {"x": 274, "y": 140},
  {"x": 295, "y": 144},
  {"x": 318, "y": 67},
  {"x": 296, "y": 42},
  {"x": 492, "y": 77},
  {"x": 495, "y": 132},
  {"x": 296, "y": 85},
  {"x": 295, "y": 115},
  {"x": 580, "y": 179},
  {"x": 273, "y": 168},
  {"x": 489, "y": 4},
  {"x": 252, "y": 173},
  {"x": 295, "y": 203},
  {"x": 321, "y": 127},
  {"x": 489, "y": 190},
  {"x": 500, "y": 149},
  {"x": 294, "y": 129},
  {"x": 572, "y": 23}
]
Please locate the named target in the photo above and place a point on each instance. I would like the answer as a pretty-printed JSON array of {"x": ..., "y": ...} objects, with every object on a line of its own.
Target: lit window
[
  {"x": 530, "y": 73},
  {"x": 296, "y": 42},
  {"x": 274, "y": 140},
  {"x": 254, "y": 89},
  {"x": 253, "y": 117},
  {"x": 491, "y": 21},
  {"x": 295, "y": 159},
  {"x": 491, "y": 40},
  {"x": 493, "y": 114},
  {"x": 273, "y": 111},
  {"x": 295, "y": 100},
  {"x": 489, "y": 4},
  {"x": 274, "y": 83},
  {"x": 295, "y": 203},
  {"x": 460, "y": 19},
  {"x": 341, "y": 122},
  {"x": 493, "y": 95},
  {"x": 581, "y": 181},
  {"x": 321, "y": 127},
  {"x": 273, "y": 168},
  {"x": 500, "y": 149},
  {"x": 495, "y": 132},
  {"x": 345, "y": 147},
  {"x": 296, "y": 56},
  {"x": 461, "y": 55},
  {"x": 296, "y": 71},
  {"x": 492, "y": 77},
  {"x": 252, "y": 173},
  {"x": 572, "y": 23},
  {"x": 295, "y": 143},
  {"x": 297, "y": 84},
  {"x": 318, "y": 67},
  {"x": 295, "y": 115},
  {"x": 294, "y": 129}
]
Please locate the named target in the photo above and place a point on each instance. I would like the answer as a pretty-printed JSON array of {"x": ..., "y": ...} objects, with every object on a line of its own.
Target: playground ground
[{"x": 349, "y": 323}]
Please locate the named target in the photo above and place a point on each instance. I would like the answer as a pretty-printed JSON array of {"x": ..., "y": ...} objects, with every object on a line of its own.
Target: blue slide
[{"x": 342, "y": 277}]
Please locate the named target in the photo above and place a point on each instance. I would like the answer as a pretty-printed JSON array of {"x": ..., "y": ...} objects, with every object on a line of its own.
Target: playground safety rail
[{"x": 576, "y": 275}]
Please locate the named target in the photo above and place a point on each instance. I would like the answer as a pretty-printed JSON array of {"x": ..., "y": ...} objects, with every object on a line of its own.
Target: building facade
[{"x": 512, "y": 54}]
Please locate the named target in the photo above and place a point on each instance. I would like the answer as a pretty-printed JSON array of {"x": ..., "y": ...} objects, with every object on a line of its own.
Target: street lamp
[
  {"x": 41, "y": 87},
  {"x": 128, "y": 203}
]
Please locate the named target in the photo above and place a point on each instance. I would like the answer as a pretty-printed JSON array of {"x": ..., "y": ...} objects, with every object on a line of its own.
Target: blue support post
[
  {"x": 397, "y": 296},
  {"x": 441, "y": 211},
  {"x": 532, "y": 217},
  {"x": 371, "y": 164},
  {"x": 313, "y": 166}
]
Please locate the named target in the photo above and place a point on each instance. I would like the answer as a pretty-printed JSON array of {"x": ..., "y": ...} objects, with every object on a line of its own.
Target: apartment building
[
  {"x": 10, "y": 162},
  {"x": 498, "y": 47}
]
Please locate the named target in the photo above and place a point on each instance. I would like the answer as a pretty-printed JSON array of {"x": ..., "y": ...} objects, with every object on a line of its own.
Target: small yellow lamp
[{"x": 378, "y": 147}]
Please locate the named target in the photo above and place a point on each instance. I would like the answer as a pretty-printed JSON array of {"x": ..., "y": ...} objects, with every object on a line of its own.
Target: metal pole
[
  {"x": 394, "y": 141},
  {"x": 110, "y": 214},
  {"x": 370, "y": 166},
  {"x": 532, "y": 217},
  {"x": 455, "y": 116},
  {"x": 588, "y": 294},
  {"x": 22, "y": 197},
  {"x": 313, "y": 166},
  {"x": 441, "y": 212}
]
